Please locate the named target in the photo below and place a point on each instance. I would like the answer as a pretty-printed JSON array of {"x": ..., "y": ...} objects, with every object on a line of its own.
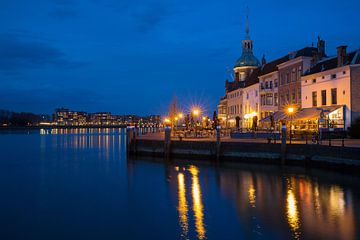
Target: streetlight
[
  {"x": 290, "y": 111},
  {"x": 196, "y": 112}
]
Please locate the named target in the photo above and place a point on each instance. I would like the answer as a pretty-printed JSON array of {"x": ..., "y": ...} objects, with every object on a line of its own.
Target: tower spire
[
  {"x": 247, "y": 27},
  {"x": 247, "y": 23}
]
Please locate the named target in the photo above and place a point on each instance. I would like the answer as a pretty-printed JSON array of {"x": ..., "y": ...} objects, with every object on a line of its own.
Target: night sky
[{"x": 128, "y": 56}]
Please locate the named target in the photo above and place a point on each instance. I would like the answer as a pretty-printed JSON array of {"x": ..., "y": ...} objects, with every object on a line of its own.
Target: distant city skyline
[{"x": 131, "y": 58}]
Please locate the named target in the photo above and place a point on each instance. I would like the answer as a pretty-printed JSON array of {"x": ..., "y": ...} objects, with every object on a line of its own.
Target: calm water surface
[{"x": 78, "y": 184}]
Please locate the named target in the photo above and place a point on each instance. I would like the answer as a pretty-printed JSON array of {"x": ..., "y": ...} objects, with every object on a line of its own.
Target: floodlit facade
[{"x": 334, "y": 82}]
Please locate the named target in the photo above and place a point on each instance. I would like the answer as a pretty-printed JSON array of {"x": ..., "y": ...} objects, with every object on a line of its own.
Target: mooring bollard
[
  {"x": 283, "y": 144},
  {"x": 130, "y": 136},
  {"x": 167, "y": 142},
  {"x": 218, "y": 142}
]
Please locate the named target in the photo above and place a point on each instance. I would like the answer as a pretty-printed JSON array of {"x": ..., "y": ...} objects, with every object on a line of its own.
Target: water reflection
[
  {"x": 195, "y": 198},
  {"x": 183, "y": 206},
  {"x": 309, "y": 208},
  {"x": 293, "y": 214},
  {"x": 197, "y": 203}
]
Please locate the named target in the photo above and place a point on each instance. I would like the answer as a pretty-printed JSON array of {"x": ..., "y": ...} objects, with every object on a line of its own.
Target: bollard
[
  {"x": 218, "y": 142},
  {"x": 283, "y": 144},
  {"x": 342, "y": 143},
  {"x": 167, "y": 142},
  {"x": 129, "y": 139}
]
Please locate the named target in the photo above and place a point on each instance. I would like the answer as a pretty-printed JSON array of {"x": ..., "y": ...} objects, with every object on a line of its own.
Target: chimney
[
  {"x": 341, "y": 55},
  {"x": 263, "y": 60},
  {"x": 321, "y": 48}
]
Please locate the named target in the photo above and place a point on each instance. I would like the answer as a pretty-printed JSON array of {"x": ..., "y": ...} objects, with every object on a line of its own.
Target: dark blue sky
[{"x": 128, "y": 56}]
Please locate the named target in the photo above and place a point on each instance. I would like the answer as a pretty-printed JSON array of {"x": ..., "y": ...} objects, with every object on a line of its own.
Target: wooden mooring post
[
  {"x": 167, "y": 142},
  {"x": 130, "y": 140},
  {"x": 218, "y": 142},
  {"x": 283, "y": 144}
]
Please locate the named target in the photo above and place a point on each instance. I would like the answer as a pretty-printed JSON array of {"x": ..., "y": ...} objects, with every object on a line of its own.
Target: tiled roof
[{"x": 331, "y": 63}]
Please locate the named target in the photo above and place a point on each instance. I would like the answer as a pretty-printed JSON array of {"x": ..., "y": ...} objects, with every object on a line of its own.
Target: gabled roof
[
  {"x": 331, "y": 63},
  {"x": 272, "y": 66}
]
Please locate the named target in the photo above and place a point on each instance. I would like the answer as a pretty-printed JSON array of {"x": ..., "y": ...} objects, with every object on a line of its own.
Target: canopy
[{"x": 303, "y": 114}]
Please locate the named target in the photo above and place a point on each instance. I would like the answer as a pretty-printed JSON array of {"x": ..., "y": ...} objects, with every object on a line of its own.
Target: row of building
[
  {"x": 319, "y": 89},
  {"x": 66, "y": 117}
]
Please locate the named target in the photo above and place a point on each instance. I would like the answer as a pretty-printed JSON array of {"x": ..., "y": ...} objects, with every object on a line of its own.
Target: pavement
[{"x": 334, "y": 142}]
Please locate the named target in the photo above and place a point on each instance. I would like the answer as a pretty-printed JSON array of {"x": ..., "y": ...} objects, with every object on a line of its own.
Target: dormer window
[{"x": 333, "y": 76}]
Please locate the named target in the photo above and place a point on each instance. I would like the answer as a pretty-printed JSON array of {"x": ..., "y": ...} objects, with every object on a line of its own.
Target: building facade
[
  {"x": 334, "y": 82},
  {"x": 241, "y": 94}
]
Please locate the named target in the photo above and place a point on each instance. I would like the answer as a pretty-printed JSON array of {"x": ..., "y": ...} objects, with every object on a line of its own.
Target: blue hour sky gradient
[{"x": 129, "y": 56}]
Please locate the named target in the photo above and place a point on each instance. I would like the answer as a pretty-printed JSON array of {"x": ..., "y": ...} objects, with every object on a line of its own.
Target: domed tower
[{"x": 247, "y": 61}]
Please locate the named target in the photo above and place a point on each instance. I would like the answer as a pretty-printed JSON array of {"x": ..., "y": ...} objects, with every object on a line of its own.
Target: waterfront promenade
[{"x": 355, "y": 143}]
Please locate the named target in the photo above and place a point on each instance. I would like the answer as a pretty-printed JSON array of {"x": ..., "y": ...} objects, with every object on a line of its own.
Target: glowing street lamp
[
  {"x": 180, "y": 115},
  {"x": 196, "y": 112},
  {"x": 290, "y": 111}
]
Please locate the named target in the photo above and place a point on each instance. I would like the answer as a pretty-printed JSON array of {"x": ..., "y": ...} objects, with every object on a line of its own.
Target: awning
[{"x": 303, "y": 114}]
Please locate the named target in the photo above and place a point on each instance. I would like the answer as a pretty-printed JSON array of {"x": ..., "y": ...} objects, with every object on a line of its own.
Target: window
[
  {"x": 293, "y": 97},
  {"x": 323, "y": 97},
  {"x": 333, "y": 76},
  {"x": 275, "y": 99},
  {"x": 314, "y": 99},
  {"x": 269, "y": 99},
  {"x": 256, "y": 93},
  {"x": 271, "y": 85},
  {"x": 333, "y": 96},
  {"x": 314, "y": 80},
  {"x": 247, "y": 95},
  {"x": 287, "y": 78},
  {"x": 266, "y": 85},
  {"x": 323, "y": 77},
  {"x": 282, "y": 99},
  {"x": 282, "y": 79},
  {"x": 287, "y": 96},
  {"x": 344, "y": 72},
  {"x": 299, "y": 95},
  {"x": 275, "y": 83}
]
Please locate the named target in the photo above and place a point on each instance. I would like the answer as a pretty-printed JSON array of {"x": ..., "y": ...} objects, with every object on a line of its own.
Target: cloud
[{"x": 19, "y": 52}]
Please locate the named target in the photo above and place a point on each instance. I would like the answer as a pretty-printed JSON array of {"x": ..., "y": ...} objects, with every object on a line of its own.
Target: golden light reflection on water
[
  {"x": 197, "y": 203},
  {"x": 293, "y": 213},
  {"x": 183, "y": 206},
  {"x": 252, "y": 196}
]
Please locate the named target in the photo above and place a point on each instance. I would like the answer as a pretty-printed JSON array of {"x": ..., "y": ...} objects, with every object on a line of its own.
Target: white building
[
  {"x": 242, "y": 95},
  {"x": 333, "y": 84}
]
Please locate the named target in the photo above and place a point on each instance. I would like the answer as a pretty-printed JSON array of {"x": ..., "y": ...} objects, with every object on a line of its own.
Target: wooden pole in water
[
  {"x": 218, "y": 142},
  {"x": 283, "y": 143},
  {"x": 167, "y": 142}
]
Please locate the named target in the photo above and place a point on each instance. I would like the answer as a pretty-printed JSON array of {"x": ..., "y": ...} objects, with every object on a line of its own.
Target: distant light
[{"x": 290, "y": 110}]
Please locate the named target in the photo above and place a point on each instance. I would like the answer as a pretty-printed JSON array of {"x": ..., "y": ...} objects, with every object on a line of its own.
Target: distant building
[
  {"x": 333, "y": 85},
  {"x": 65, "y": 117},
  {"x": 101, "y": 118}
]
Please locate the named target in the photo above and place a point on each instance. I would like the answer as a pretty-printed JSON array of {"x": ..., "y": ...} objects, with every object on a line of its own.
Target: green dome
[{"x": 247, "y": 59}]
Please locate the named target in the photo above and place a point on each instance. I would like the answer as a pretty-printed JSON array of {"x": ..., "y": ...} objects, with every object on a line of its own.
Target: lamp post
[
  {"x": 195, "y": 112},
  {"x": 290, "y": 111}
]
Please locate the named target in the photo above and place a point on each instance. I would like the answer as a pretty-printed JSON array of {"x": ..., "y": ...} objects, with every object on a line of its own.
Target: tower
[{"x": 247, "y": 61}]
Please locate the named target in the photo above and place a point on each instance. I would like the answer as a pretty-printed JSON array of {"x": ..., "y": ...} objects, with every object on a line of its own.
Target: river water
[{"x": 79, "y": 184}]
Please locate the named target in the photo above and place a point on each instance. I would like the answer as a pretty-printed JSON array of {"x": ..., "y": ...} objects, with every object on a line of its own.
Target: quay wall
[{"x": 297, "y": 154}]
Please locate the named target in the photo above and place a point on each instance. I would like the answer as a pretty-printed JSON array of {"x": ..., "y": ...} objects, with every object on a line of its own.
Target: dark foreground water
[{"x": 79, "y": 184}]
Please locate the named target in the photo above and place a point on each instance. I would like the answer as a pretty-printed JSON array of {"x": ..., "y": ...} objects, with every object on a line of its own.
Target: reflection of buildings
[
  {"x": 301, "y": 205},
  {"x": 190, "y": 203}
]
